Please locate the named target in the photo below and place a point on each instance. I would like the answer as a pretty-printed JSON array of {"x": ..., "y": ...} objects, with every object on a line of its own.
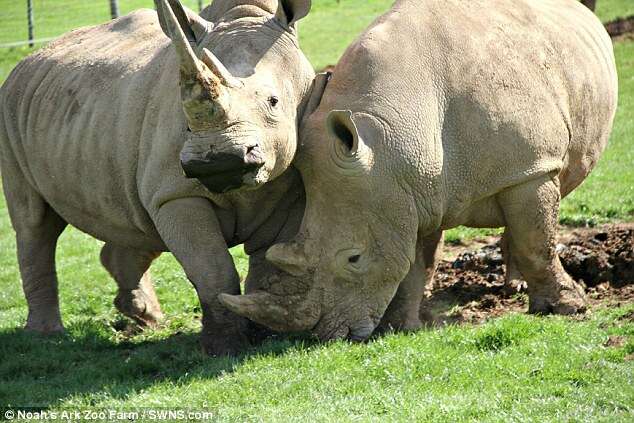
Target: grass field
[{"x": 518, "y": 368}]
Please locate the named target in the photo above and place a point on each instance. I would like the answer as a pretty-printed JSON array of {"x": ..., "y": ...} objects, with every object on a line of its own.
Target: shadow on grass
[{"x": 41, "y": 371}]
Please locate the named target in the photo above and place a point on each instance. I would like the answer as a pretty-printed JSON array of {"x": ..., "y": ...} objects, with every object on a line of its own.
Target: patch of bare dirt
[
  {"x": 603, "y": 256},
  {"x": 470, "y": 286},
  {"x": 620, "y": 26},
  {"x": 615, "y": 341}
]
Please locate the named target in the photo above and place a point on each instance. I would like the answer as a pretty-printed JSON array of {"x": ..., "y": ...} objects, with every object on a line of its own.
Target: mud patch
[
  {"x": 605, "y": 256},
  {"x": 471, "y": 288},
  {"x": 620, "y": 26}
]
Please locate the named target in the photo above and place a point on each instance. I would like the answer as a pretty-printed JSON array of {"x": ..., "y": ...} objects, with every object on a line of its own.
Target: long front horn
[
  {"x": 204, "y": 97},
  {"x": 189, "y": 63},
  {"x": 284, "y": 314},
  {"x": 194, "y": 27}
]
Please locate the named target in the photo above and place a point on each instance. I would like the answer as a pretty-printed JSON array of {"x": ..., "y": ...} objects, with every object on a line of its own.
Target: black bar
[
  {"x": 114, "y": 9},
  {"x": 29, "y": 14}
]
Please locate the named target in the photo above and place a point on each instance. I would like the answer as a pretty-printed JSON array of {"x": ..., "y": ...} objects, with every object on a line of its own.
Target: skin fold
[
  {"x": 443, "y": 113},
  {"x": 92, "y": 128}
]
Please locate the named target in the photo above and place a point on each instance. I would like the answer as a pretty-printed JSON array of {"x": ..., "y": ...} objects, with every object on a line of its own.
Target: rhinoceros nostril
[{"x": 254, "y": 156}]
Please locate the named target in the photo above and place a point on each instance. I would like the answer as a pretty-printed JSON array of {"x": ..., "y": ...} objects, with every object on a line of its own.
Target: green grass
[
  {"x": 52, "y": 18},
  {"x": 515, "y": 368},
  {"x": 609, "y": 191},
  {"x": 609, "y": 10}
]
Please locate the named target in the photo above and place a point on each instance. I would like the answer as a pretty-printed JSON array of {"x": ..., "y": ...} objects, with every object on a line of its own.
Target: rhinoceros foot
[
  {"x": 396, "y": 323},
  {"x": 140, "y": 306},
  {"x": 45, "y": 325},
  {"x": 569, "y": 299},
  {"x": 257, "y": 333},
  {"x": 226, "y": 345}
]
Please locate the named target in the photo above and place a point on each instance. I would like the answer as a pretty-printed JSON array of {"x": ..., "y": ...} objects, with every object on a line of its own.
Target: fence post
[
  {"x": 29, "y": 14},
  {"x": 114, "y": 9}
]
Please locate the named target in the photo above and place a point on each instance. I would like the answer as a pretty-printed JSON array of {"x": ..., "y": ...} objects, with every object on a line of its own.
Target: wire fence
[{"x": 29, "y": 22}]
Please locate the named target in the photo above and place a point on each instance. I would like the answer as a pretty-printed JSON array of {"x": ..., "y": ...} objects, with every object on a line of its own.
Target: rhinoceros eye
[{"x": 273, "y": 100}]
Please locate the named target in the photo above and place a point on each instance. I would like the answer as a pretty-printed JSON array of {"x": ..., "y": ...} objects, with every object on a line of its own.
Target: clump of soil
[
  {"x": 471, "y": 288},
  {"x": 605, "y": 256},
  {"x": 620, "y": 26}
]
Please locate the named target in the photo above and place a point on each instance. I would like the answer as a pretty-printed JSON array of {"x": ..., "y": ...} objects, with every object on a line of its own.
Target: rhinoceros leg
[
  {"x": 531, "y": 212},
  {"x": 432, "y": 252},
  {"x": 37, "y": 227},
  {"x": 403, "y": 313},
  {"x": 191, "y": 231},
  {"x": 513, "y": 280},
  {"x": 136, "y": 297}
]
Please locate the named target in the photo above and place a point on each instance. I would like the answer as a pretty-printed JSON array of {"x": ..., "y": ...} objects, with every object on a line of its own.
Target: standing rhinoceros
[
  {"x": 91, "y": 129},
  {"x": 443, "y": 113}
]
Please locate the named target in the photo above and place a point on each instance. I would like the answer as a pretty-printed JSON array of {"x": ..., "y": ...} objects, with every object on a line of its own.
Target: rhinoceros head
[
  {"x": 244, "y": 83},
  {"x": 357, "y": 238}
]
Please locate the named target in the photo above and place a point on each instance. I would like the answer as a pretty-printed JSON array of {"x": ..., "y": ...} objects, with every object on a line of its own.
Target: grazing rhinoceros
[
  {"x": 443, "y": 113},
  {"x": 91, "y": 129}
]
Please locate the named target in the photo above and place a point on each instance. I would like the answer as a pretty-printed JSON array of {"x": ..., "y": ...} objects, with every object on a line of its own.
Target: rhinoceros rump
[
  {"x": 91, "y": 130},
  {"x": 443, "y": 113}
]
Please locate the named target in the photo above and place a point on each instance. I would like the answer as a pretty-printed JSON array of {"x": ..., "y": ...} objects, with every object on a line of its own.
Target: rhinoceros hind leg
[
  {"x": 403, "y": 313},
  {"x": 37, "y": 227},
  {"x": 136, "y": 297},
  {"x": 513, "y": 279},
  {"x": 432, "y": 252},
  {"x": 531, "y": 212}
]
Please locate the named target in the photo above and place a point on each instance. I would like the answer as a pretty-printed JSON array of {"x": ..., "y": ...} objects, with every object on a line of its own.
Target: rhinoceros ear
[
  {"x": 290, "y": 11},
  {"x": 341, "y": 126},
  {"x": 193, "y": 26},
  {"x": 316, "y": 92}
]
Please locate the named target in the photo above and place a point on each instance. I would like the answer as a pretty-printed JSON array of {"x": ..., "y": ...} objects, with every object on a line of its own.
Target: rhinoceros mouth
[
  {"x": 225, "y": 172},
  {"x": 222, "y": 182}
]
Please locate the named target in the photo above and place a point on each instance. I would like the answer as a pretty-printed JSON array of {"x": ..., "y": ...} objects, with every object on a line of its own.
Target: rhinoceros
[
  {"x": 443, "y": 113},
  {"x": 92, "y": 128}
]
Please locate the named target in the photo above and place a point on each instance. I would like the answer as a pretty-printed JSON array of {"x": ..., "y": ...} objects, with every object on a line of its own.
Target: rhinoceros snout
[{"x": 223, "y": 171}]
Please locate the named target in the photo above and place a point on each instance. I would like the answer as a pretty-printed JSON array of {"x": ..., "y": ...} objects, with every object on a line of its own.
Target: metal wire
[{"x": 52, "y": 18}]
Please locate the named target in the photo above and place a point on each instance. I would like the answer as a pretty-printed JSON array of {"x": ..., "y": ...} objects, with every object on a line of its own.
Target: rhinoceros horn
[
  {"x": 293, "y": 306},
  {"x": 203, "y": 82},
  {"x": 265, "y": 309},
  {"x": 288, "y": 257}
]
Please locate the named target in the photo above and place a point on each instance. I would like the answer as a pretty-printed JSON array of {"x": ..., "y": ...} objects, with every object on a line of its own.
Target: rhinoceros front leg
[
  {"x": 136, "y": 297},
  {"x": 531, "y": 212},
  {"x": 191, "y": 231},
  {"x": 261, "y": 274},
  {"x": 403, "y": 313}
]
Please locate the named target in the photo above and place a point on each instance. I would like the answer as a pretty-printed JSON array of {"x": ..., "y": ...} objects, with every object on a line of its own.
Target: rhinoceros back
[
  {"x": 487, "y": 92},
  {"x": 76, "y": 114}
]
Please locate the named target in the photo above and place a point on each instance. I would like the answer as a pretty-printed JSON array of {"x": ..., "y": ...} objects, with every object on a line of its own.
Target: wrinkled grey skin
[
  {"x": 485, "y": 115},
  {"x": 91, "y": 129}
]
